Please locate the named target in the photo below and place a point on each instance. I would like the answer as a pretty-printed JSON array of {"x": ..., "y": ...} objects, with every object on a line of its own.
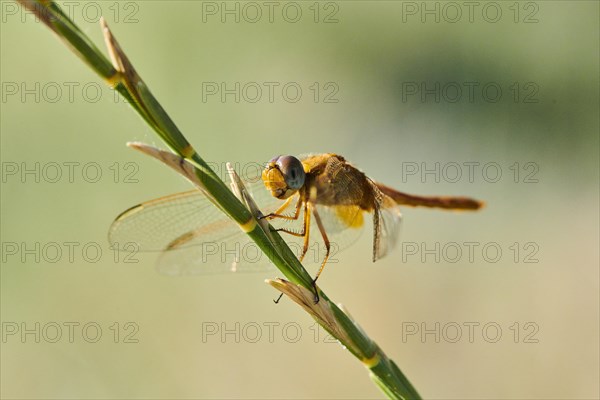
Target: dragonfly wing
[
  {"x": 187, "y": 228},
  {"x": 236, "y": 254},
  {"x": 387, "y": 221},
  {"x": 178, "y": 220},
  {"x": 232, "y": 252},
  {"x": 165, "y": 223}
]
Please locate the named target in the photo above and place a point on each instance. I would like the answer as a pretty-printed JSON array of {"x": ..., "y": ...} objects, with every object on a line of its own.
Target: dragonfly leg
[
  {"x": 305, "y": 226},
  {"x": 327, "y": 248},
  {"x": 278, "y": 298},
  {"x": 280, "y": 210},
  {"x": 305, "y": 232}
]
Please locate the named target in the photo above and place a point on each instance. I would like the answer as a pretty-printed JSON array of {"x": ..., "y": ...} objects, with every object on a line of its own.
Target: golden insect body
[{"x": 329, "y": 181}]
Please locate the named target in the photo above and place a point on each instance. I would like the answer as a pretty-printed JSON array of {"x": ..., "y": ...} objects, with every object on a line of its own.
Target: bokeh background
[{"x": 542, "y": 54}]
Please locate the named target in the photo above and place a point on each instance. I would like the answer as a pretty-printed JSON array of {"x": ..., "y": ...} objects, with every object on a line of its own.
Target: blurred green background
[{"x": 544, "y": 57}]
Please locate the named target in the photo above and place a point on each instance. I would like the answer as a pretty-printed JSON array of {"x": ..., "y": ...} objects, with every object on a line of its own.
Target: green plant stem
[{"x": 121, "y": 76}]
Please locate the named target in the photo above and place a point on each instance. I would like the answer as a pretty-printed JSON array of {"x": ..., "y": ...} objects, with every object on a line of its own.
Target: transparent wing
[
  {"x": 192, "y": 234},
  {"x": 387, "y": 222},
  {"x": 156, "y": 225},
  {"x": 177, "y": 221},
  {"x": 235, "y": 254}
]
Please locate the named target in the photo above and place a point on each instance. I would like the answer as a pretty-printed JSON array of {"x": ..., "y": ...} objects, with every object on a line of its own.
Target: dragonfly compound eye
[{"x": 292, "y": 170}]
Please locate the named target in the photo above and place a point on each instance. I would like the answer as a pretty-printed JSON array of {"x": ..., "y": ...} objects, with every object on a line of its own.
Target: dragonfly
[{"x": 320, "y": 193}]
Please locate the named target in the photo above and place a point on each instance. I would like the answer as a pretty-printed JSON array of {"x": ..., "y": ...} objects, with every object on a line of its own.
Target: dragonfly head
[{"x": 283, "y": 176}]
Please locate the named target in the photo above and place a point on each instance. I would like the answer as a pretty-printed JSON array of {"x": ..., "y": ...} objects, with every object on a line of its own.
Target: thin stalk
[{"x": 120, "y": 74}]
